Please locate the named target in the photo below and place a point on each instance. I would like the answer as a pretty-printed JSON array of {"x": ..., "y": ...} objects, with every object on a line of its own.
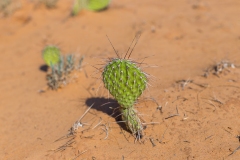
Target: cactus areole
[{"x": 124, "y": 80}]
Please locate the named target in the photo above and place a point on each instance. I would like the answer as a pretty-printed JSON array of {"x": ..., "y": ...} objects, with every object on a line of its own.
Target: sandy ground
[{"x": 200, "y": 116}]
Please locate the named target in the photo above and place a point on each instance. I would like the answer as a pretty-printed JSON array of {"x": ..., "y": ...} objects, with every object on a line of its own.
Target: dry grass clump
[
  {"x": 219, "y": 68},
  {"x": 60, "y": 72},
  {"x": 49, "y": 3},
  {"x": 7, "y": 7}
]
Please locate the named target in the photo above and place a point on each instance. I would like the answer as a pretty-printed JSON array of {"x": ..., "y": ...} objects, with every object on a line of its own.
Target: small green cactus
[
  {"x": 93, "y": 5},
  {"x": 97, "y": 5},
  {"x": 126, "y": 82},
  {"x": 51, "y": 55}
]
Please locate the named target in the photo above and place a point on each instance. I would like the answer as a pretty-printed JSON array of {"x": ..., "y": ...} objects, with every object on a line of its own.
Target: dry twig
[
  {"x": 234, "y": 151},
  {"x": 106, "y": 130},
  {"x": 78, "y": 123},
  {"x": 161, "y": 140},
  {"x": 98, "y": 123},
  {"x": 79, "y": 154},
  {"x": 173, "y": 115},
  {"x": 151, "y": 140}
]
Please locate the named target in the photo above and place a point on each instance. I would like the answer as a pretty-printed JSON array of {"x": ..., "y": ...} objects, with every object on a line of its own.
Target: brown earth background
[{"x": 182, "y": 37}]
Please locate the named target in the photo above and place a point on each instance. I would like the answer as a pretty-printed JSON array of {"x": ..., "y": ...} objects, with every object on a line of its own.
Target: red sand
[{"x": 182, "y": 37}]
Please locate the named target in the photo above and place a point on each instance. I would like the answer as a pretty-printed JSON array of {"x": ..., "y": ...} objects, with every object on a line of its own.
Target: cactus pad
[
  {"x": 124, "y": 80},
  {"x": 51, "y": 55},
  {"x": 97, "y": 5}
]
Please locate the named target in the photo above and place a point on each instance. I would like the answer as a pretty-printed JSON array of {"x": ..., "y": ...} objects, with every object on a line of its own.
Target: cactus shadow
[
  {"x": 44, "y": 68},
  {"x": 107, "y": 106}
]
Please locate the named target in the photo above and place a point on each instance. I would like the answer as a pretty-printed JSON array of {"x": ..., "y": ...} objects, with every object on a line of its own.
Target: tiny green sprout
[{"x": 51, "y": 55}]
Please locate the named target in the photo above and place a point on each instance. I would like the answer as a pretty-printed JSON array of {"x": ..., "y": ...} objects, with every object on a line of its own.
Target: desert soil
[{"x": 179, "y": 41}]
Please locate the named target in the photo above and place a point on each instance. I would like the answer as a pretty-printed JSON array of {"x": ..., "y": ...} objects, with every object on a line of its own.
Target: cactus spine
[{"x": 126, "y": 82}]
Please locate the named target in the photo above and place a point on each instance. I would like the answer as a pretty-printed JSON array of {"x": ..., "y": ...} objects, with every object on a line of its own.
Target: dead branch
[{"x": 98, "y": 123}]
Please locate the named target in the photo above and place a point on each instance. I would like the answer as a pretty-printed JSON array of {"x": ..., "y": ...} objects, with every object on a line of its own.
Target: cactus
[
  {"x": 93, "y": 5},
  {"x": 51, "y": 55},
  {"x": 97, "y": 5},
  {"x": 126, "y": 82}
]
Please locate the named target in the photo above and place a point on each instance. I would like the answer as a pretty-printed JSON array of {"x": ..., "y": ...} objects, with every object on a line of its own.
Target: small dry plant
[
  {"x": 49, "y": 3},
  {"x": 60, "y": 72},
  {"x": 7, "y": 7},
  {"x": 61, "y": 66},
  {"x": 219, "y": 68}
]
